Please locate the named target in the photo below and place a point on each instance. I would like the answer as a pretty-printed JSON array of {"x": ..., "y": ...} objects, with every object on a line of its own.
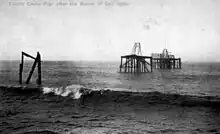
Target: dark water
[{"x": 91, "y": 97}]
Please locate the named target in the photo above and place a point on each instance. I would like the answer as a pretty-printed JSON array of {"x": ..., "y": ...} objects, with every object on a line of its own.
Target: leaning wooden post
[
  {"x": 32, "y": 70},
  {"x": 39, "y": 68}
]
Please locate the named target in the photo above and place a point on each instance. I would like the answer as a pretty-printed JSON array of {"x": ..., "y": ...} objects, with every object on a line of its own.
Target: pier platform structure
[
  {"x": 135, "y": 62},
  {"x": 165, "y": 60}
]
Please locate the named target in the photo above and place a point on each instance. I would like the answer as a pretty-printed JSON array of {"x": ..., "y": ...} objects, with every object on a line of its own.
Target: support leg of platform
[
  {"x": 120, "y": 65},
  {"x": 180, "y": 63},
  {"x": 135, "y": 66},
  {"x": 126, "y": 65},
  {"x": 151, "y": 65}
]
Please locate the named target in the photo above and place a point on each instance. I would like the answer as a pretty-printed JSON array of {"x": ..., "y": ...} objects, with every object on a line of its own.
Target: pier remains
[
  {"x": 37, "y": 61},
  {"x": 165, "y": 60},
  {"x": 135, "y": 62}
]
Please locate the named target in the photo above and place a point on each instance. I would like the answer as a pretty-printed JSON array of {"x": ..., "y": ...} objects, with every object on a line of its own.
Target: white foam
[
  {"x": 46, "y": 90},
  {"x": 72, "y": 90}
]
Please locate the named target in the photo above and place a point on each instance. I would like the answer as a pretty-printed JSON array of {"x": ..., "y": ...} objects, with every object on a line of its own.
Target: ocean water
[{"x": 92, "y": 97}]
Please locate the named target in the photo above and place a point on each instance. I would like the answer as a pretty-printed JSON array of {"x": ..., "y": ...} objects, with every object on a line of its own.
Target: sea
[{"x": 92, "y": 97}]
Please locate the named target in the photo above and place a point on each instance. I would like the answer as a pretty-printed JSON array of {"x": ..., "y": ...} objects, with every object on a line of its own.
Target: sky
[{"x": 187, "y": 28}]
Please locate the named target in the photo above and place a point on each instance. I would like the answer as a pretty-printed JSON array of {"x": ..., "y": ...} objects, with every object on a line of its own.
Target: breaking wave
[
  {"x": 74, "y": 91},
  {"x": 119, "y": 95},
  {"x": 131, "y": 96}
]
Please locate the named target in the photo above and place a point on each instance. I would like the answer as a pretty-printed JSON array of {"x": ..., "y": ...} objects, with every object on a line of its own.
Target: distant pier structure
[
  {"x": 135, "y": 62},
  {"x": 165, "y": 60}
]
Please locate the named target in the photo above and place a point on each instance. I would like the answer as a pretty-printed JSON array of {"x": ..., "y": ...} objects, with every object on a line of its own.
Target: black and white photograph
[{"x": 109, "y": 67}]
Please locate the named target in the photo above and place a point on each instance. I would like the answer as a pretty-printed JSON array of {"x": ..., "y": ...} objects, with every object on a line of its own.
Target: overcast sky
[{"x": 188, "y": 28}]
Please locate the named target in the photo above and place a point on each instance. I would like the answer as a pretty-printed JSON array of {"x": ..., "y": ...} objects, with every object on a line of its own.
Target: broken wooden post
[
  {"x": 21, "y": 69},
  {"x": 39, "y": 69}
]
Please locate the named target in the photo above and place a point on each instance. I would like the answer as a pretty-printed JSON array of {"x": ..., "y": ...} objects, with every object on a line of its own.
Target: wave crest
[
  {"x": 117, "y": 95},
  {"x": 74, "y": 91}
]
